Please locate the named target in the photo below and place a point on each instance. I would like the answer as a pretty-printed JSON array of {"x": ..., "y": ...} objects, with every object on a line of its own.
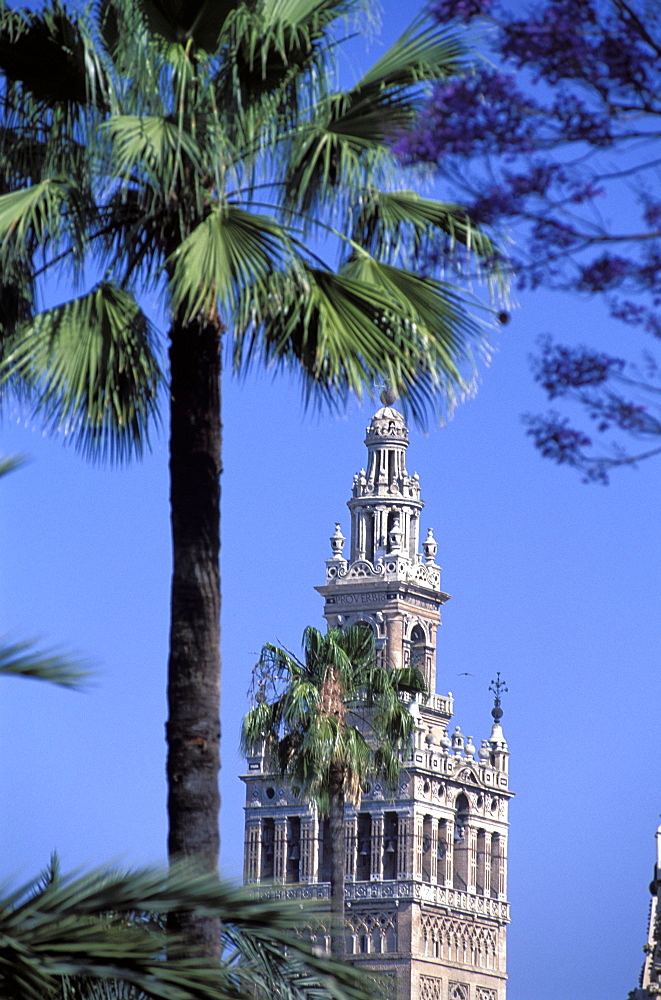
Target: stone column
[
  {"x": 309, "y": 853},
  {"x": 419, "y": 837},
  {"x": 395, "y": 632},
  {"x": 351, "y": 847},
  {"x": 449, "y": 853},
  {"x": 376, "y": 869},
  {"x": 471, "y": 867},
  {"x": 280, "y": 850},
  {"x": 433, "y": 861},
  {"x": 253, "y": 852},
  {"x": 487, "y": 863},
  {"x": 502, "y": 880}
]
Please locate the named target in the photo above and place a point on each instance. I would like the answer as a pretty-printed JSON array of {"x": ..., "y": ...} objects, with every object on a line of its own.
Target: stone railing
[
  {"x": 440, "y": 895},
  {"x": 303, "y": 890},
  {"x": 441, "y": 703},
  {"x": 422, "y": 892}
]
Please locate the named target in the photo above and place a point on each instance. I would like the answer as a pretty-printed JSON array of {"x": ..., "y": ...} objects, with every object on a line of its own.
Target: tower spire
[{"x": 384, "y": 547}]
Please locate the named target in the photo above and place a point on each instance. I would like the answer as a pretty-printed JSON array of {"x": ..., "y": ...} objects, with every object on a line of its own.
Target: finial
[
  {"x": 430, "y": 546},
  {"x": 498, "y": 687},
  {"x": 395, "y": 535},
  {"x": 337, "y": 541},
  {"x": 388, "y": 396}
]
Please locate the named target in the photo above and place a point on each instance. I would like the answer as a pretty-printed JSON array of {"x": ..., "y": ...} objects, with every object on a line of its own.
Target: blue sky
[{"x": 553, "y": 583}]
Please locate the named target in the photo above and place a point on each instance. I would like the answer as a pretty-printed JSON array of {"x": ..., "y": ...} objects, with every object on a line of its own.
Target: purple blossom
[
  {"x": 652, "y": 213},
  {"x": 606, "y": 271},
  {"x": 561, "y": 369},
  {"x": 637, "y": 314},
  {"x": 541, "y": 157},
  {"x": 580, "y": 123},
  {"x": 555, "y": 234},
  {"x": 556, "y": 439},
  {"x": 460, "y": 10},
  {"x": 468, "y": 115},
  {"x": 623, "y": 414}
]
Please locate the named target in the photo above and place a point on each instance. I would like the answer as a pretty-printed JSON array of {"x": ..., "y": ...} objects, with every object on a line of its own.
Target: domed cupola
[{"x": 385, "y": 503}]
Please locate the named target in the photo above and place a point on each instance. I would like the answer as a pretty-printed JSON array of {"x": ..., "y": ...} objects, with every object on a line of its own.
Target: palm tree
[
  {"x": 336, "y": 721},
  {"x": 194, "y": 150}
]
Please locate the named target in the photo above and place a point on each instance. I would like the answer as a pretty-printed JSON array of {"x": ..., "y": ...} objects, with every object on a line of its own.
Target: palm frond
[
  {"x": 24, "y": 659},
  {"x": 342, "y": 332},
  {"x": 89, "y": 367},
  {"x": 32, "y": 215},
  {"x": 423, "y": 53},
  {"x": 271, "y": 49},
  {"x": 155, "y": 144},
  {"x": 403, "y": 224},
  {"x": 108, "y": 925},
  {"x": 228, "y": 251},
  {"x": 10, "y": 463}
]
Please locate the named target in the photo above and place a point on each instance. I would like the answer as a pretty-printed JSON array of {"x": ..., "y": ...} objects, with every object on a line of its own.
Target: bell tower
[{"x": 426, "y": 866}]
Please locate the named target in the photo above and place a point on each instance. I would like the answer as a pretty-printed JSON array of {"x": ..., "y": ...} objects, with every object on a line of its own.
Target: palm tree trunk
[
  {"x": 337, "y": 866},
  {"x": 193, "y": 727}
]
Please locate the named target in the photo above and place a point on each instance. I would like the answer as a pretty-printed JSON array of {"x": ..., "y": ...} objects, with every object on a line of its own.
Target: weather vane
[{"x": 498, "y": 687}]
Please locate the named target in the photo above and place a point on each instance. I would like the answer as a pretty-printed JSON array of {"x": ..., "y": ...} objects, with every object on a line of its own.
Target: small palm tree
[
  {"x": 337, "y": 721},
  {"x": 193, "y": 151}
]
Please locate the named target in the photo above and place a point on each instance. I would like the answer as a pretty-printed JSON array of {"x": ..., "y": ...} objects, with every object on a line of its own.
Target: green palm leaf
[
  {"x": 344, "y": 331},
  {"x": 23, "y": 659},
  {"x": 89, "y": 366},
  {"x": 32, "y": 214},
  {"x": 230, "y": 250},
  {"x": 401, "y": 221},
  {"x": 422, "y": 53},
  {"x": 154, "y": 143},
  {"x": 108, "y": 924}
]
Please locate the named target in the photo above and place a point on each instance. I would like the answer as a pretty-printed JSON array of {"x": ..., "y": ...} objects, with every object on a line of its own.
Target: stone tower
[
  {"x": 426, "y": 873},
  {"x": 649, "y": 985}
]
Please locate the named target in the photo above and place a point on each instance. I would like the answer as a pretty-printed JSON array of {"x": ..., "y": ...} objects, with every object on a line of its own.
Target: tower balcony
[{"x": 400, "y": 891}]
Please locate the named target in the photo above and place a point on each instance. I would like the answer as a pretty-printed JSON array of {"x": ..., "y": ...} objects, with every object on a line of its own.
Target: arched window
[
  {"x": 496, "y": 864},
  {"x": 364, "y": 855},
  {"x": 390, "y": 831},
  {"x": 442, "y": 852},
  {"x": 418, "y": 648},
  {"x": 482, "y": 860},
  {"x": 268, "y": 841},
  {"x": 324, "y": 851},
  {"x": 368, "y": 523},
  {"x": 293, "y": 849},
  {"x": 427, "y": 844}
]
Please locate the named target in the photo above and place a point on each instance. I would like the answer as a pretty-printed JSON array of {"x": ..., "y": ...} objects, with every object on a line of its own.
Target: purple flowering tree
[{"x": 555, "y": 136}]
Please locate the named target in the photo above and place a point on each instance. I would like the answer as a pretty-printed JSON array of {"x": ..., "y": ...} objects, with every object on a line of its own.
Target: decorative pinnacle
[
  {"x": 388, "y": 395},
  {"x": 498, "y": 687}
]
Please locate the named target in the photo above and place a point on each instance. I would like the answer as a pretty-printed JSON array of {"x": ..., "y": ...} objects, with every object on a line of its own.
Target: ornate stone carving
[
  {"x": 458, "y": 942},
  {"x": 431, "y": 988},
  {"x": 373, "y": 931},
  {"x": 458, "y": 991}
]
